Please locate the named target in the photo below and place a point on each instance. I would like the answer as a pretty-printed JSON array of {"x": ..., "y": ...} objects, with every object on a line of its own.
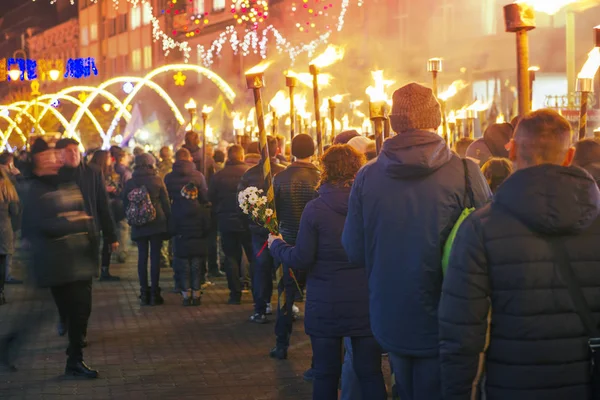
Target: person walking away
[
  {"x": 121, "y": 167},
  {"x": 262, "y": 278},
  {"x": 216, "y": 258},
  {"x": 192, "y": 144},
  {"x": 235, "y": 234},
  {"x": 191, "y": 224},
  {"x": 461, "y": 146},
  {"x": 587, "y": 156},
  {"x": 148, "y": 211},
  {"x": 14, "y": 175},
  {"x": 492, "y": 144},
  {"x": 534, "y": 295},
  {"x": 103, "y": 162},
  {"x": 496, "y": 170},
  {"x": 337, "y": 304},
  {"x": 402, "y": 208},
  {"x": 219, "y": 159},
  {"x": 9, "y": 223},
  {"x": 294, "y": 188},
  {"x": 165, "y": 165},
  {"x": 62, "y": 239}
]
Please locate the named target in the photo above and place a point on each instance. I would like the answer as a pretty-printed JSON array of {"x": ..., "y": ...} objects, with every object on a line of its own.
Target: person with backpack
[
  {"x": 148, "y": 211},
  {"x": 402, "y": 209},
  {"x": 523, "y": 279}
]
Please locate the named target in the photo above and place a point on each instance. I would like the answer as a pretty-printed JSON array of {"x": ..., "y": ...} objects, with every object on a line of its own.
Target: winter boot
[
  {"x": 144, "y": 296},
  {"x": 2, "y": 298},
  {"x": 155, "y": 298},
  {"x": 196, "y": 298},
  {"x": 105, "y": 276}
]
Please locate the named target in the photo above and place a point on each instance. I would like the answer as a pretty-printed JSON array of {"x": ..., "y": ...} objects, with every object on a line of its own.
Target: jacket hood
[
  {"x": 593, "y": 169},
  {"x": 414, "y": 153},
  {"x": 144, "y": 171},
  {"x": 335, "y": 197},
  {"x": 184, "y": 167},
  {"x": 551, "y": 199}
]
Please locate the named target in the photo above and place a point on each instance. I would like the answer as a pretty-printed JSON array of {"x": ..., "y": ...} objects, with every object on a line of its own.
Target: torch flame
[
  {"x": 356, "y": 103},
  {"x": 190, "y": 105},
  {"x": 591, "y": 65},
  {"x": 549, "y": 7},
  {"x": 324, "y": 106},
  {"x": 251, "y": 116},
  {"x": 479, "y": 106},
  {"x": 206, "y": 109},
  {"x": 307, "y": 79},
  {"x": 377, "y": 92},
  {"x": 280, "y": 103},
  {"x": 259, "y": 68},
  {"x": 300, "y": 104},
  {"x": 238, "y": 121},
  {"x": 330, "y": 56},
  {"x": 338, "y": 98},
  {"x": 454, "y": 88},
  {"x": 500, "y": 119}
]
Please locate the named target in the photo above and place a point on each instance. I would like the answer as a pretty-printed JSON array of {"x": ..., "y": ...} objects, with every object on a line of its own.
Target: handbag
[
  {"x": 468, "y": 196},
  {"x": 561, "y": 257}
]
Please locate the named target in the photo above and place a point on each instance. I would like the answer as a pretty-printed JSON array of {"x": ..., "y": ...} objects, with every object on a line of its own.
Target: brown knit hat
[
  {"x": 303, "y": 146},
  {"x": 414, "y": 107}
]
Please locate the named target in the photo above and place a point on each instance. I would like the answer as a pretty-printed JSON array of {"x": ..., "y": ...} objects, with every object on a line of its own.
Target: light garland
[
  {"x": 313, "y": 15},
  {"x": 250, "y": 11}
]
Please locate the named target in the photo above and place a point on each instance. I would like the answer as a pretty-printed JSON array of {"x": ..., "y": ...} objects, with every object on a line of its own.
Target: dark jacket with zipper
[
  {"x": 148, "y": 177},
  {"x": 185, "y": 172},
  {"x": 337, "y": 304},
  {"x": 254, "y": 177},
  {"x": 190, "y": 225},
  {"x": 294, "y": 188},
  {"x": 223, "y": 196},
  {"x": 402, "y": 208},
  {"x": 505, "y": 311}
]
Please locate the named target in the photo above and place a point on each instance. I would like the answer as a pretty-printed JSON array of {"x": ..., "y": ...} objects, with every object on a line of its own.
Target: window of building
[
  {"x": 198, "y": 7},
  {"x": 113, "y": 65},
  {"x": 147, "y": 14},
  {"x": 147, "y": 57},
  {"x": 85, "y": 38},
  {"x": 122, "y": 23},
  {"x": 93, "y": 32},
  {"x": 489, "y": 14},
  {"x": 136, "y": 60},
  {"x": 135, "y": 17},
  {"x": 111, "y": 27},
  {"x": 218, "y": 5}
]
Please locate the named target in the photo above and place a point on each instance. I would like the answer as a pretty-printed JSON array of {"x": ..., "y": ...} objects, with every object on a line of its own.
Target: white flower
[
  {"x": 255, "y": 214},
  {"x": 261, "y": 201},
  {"x": 268, "y": 212},
  {"x": 253, "y": 198},
  {"x": 244, "y": 209}
]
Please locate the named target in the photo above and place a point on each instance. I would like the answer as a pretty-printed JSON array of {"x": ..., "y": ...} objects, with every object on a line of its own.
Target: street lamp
[
  {"x": 14, "y": 72},
  {"x": 106, "y": 107},
  {"x": 54, "y": 74}
]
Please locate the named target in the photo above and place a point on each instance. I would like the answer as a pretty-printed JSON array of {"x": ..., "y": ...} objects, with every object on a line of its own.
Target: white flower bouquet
[{"x": 254, "y": 203}]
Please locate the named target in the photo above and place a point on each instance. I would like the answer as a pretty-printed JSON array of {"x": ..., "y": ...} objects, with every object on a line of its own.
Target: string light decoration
[
  {"x": 251, "y": 12},
  {"x": 190, "y": 19},
  {"x": 179, "y": 79},
  {"x": 314, "y": 15}
]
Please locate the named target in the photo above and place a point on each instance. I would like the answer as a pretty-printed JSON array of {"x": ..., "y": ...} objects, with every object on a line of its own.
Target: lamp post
[
  {"x": 519, "y": 18},
  {"x": 584, "y": 87},
  {"x": 434, "y": 65},
  {"x": 206, "y": 110}
]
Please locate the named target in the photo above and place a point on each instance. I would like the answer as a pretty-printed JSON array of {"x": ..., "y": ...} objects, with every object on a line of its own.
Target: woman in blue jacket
[{"x": 337, "y": 303}]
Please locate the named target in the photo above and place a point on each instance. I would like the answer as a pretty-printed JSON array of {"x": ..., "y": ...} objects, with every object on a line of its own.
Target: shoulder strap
[
  {"x": 561, "y": 257},
  {"x": 468, "y": 189}
]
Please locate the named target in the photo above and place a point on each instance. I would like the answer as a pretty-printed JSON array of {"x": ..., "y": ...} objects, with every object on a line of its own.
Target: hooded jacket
[
  {"x": 223, "y": 196},
  {"x": 402, "y": 208},
  {"x": 338, "y": 301},
  {"x": 196, "y": 153},
  {"x": 185, "y": 172},
  {"x": 505, "y": 308}
]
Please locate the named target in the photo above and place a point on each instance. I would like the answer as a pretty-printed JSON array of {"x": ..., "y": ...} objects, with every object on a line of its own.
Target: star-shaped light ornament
[
  {"x": 82, "y": 97},
  {"x": 179, "y": 78}
]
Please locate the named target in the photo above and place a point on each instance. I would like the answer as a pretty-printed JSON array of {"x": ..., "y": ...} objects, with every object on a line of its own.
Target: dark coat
[
  {"x": 63, "y": 250},
  {"x": 196, "y": 153},
  {"x": 10, "y": 218},
  {"x": 160, "y": 200},
  {"x": 91, "y": 182},
  {"x": 537, "y": 343},
  {"x": 294, "y": 188},
  {"x": 185, "y": 172},
  {"x": 223, "y": 196},
  {"x": 402, "y": 208},
  {"x": 254, "y": 177},
  {"x": 190, "y": 225},
  {"x": 337, "y": 301}
]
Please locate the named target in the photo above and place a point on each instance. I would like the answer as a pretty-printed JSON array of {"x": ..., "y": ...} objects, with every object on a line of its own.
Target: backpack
[
  {"x": 140, "y": 210},
  {"x": 465, "y": 213}
]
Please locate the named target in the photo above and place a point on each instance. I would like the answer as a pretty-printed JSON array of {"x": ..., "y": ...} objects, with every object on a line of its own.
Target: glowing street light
[{"x": 54, "y": 74}]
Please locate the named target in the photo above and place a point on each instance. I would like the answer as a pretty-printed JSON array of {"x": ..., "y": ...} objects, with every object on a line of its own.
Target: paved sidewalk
[{"x": 166, "y": 352}]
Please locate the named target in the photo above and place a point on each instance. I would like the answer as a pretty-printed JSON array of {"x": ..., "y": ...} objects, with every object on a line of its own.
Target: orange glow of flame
[
  {"x": 338, "y": 98},
  {"x": 377, "y": 92},
  {"x": 324, "y": 106},
  {"x": 591, "y": 65},
  {"x": 549, "y": 7},
  {"x": 330, "y": 56},
  {"x": 259, "y": 68},
  {"x": 479, "y": 106},
  {"x": 454, "y": 88},
  {"x": 500, "y": 119},
  {"x": 280, "y": 103},
  {"x": 238, "y": 121},
  {"x": 206, "y": 109},
  {"x": 306, "y": 79}
]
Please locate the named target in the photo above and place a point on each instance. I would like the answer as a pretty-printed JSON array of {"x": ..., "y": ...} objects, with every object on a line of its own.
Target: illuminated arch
[
  {"x": 12, "y": 125},
  {"x": 21, "y": 111}
]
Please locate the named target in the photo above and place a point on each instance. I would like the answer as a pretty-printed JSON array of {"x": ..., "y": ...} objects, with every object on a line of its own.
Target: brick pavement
[{"x": 166, "y": 352}]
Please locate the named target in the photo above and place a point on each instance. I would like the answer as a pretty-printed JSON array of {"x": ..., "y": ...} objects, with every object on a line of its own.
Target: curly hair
[
  {"x": 495, "y": 171},
  {"x": 339, "y": 165}
]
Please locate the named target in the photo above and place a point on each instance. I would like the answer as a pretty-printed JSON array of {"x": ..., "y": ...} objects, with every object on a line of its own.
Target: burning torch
[
  {"x": 585, "y": 82},
  {"x": 206, "y": 110},
  {"x": 292, "y": 82},
  {"x": 238, "y": 127},
  {"x": 277, "y": 105},
  {"x": 331, "y": 55},
  {"x": 331, "y": 102},
  {"x": 192, "y": 109},
  {"x": 443, "y": 98},
  {"x": 378, "y": 106},
  {"x": 519, "y": 18},
  {"x": 434, "y": 65}
]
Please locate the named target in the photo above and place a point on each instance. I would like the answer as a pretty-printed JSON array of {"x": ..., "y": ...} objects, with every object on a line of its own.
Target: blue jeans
[
  {"x": 417, "y": 378},
  {"x": 262, "y": 279},
  {"x": 187, "y": 272},
  {"x": 327, "y": 368},
  {"x": 152, "y": 245}
]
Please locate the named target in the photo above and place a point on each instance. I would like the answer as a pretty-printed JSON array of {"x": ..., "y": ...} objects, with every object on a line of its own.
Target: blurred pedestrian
[
  {"x": 587, "y": 156},
  {"x": 165, "y": 165},
  {"x": 496, "y": 170},
  {"x": 219, "y": 159},
  {"x": 461, "y": 146},
  {"x": 192, "y": 144},
  {"x": 148, "y": 211},
  {"x": 14, "y": 175},
  {"x": 122, "y": 160},
  {"x": 9, "y": 223},
  {"x": 492, "y": 144},
  {"x": 252, "y": 157}
]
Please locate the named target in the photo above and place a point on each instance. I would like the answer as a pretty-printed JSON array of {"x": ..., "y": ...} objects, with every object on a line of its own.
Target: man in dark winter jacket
[
  {"x": 192, "y": 144},
  {"x": 492, "y": 144},
  {"x": 402, "y": 208},
  {"x": 587, "y": 156},
  {"x": 184, "y": 172},
  {"x": 262, "y": 278},
  {"x": 294, "y": 188},
  {"x": 506, "y": 273},
  {"x": 235, "y": 234}
]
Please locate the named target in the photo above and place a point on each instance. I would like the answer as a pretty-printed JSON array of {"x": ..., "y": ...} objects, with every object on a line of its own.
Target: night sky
[{"x": 7, "y": 5}]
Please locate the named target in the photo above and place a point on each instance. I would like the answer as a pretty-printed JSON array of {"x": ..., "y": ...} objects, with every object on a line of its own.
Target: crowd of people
[{"x": 361, "y": 240}]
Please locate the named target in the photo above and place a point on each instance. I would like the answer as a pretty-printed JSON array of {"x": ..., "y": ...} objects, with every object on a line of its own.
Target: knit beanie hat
[
  {"x": 303, "y": 146},
  {"x": 189, "y": 191},
  {"x": 414, "y": 107},
  {"x": 345, "y": 137},
  {"x": 360, "y": 144},
  {"x": 145, "y": 160},
  {"x": 39, "y": 146}
]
